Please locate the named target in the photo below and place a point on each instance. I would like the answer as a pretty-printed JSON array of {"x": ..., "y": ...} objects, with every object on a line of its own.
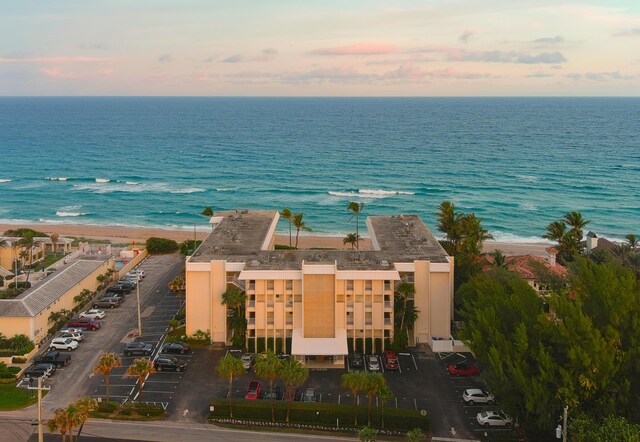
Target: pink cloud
[
  {"x": 357, "y": 49},
  {"x": 59, "y": 73},
  {"x": 54, "y": 60}
]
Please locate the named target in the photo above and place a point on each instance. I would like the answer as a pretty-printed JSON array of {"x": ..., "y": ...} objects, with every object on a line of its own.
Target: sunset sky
[{"x": 320, "y": 48}]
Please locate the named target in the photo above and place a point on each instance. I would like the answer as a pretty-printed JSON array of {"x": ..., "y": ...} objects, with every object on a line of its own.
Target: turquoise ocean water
[{"x": 518, "y": 163}]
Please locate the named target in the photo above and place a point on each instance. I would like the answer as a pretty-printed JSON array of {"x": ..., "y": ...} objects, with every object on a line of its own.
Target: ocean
[{"x": 518, "y": 163}]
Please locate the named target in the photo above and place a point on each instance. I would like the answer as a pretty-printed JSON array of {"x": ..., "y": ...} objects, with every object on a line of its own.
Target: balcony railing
[
  {"x": 235, "y": 281},
  {"x": 387, "y": 304},
  {"x": 387, "y": 321},
  {"x": 251, "y": 303},
  {"x": 251, "y": 321}
]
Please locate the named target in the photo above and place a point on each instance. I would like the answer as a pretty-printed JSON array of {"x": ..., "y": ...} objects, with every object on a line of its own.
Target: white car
[
  {"x": 477, "y": 396},
  {"x": 93, "y": 313},
  {"x": 494, "y": 419},
  {"x": 140, "y": 273},
  {"x": 247, "y": 361},
  {"x": 76, "y": 336},
  {"x": 67, "y": 344}
]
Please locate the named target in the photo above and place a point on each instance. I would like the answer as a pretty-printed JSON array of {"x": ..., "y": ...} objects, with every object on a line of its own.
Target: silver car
[
  {"x": 494, "y": 419},
  {"x": 477, "y": 396},
  {"x": 373, "y": 363}
]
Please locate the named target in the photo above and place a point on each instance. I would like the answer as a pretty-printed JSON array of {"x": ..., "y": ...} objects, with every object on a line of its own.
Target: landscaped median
[
  {"x": 316, "y": 416},
  {"x": 128, "y": 411}
]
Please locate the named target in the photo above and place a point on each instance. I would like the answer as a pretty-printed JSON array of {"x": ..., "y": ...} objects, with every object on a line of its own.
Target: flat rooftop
[{"x": 239, "y": 236}]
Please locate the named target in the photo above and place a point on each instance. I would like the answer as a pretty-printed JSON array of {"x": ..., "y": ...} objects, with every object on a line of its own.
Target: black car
[
  {"x": 39, "y": 370},
  {"x": 168, "y": 362},
  {"x": 356, "y": 361},
  {"x": 276, "y": 395},
  {"x": 118, "y": 289},
  {"x": 126, "y": 284},
  {"x": 117, "y": 296},
  {"x": 139, "y": 348},
  {"x": 176, "y": 347}
]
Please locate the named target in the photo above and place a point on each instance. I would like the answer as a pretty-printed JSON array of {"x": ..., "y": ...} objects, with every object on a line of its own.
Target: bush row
[
  {"x": 161, "y": 245},
  {"x": 254, "y": 423},
  {"x": 396, "y": 419}
]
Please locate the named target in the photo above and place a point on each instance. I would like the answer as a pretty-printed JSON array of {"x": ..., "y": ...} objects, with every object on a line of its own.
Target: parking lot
[{"x": 158, "y": 305}]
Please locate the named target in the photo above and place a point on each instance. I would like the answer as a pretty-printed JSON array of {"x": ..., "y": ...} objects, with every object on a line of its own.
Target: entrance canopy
[{"x": 301, "y": 346}]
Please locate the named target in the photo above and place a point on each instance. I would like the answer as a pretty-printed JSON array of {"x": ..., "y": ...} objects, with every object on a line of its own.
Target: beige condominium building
[{"x": 318, "y": 304}]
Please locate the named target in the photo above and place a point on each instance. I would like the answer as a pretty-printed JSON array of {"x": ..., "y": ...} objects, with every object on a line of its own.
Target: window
[
  {"x": 350, "y": 285},
  {"x": 387, "y": 285},
  {"x": 270, "y": 285},
  {"x": 350, "y": 318},
  {"x": 289, "y": 285},
  {"x": 270, "y": 318},
  {"x": 368, "y": 285},
  {"x": 252, "y": 284},
  {"x": 387, "y": 333},
  {"x": 368, "y": 318},
  {"x": 387, "y": 318}
]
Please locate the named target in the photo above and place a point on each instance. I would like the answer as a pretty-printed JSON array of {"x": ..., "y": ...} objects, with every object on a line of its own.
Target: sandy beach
[{"x": 119, "y": 234}]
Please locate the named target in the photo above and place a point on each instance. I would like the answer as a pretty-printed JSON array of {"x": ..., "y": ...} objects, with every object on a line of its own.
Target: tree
[
  {"x": 576, "y": 222},
  {"x": 158, "y": 246},
  {"x": 29, "y": 243},
  {"x": 448, "y": 223},
  {"x": 356, "y": 208},
  {"x": 74, "y": 418},
  {"x": 583, "y": 428},
  {"x": 54, "y": 237},
  {"x": 356, "y": 382},
  {"x": 293, "y": 374},
  {"x": 633, "y": 241},
  {"x": 84, "y": 406},
  {"x": 267, "y": 366},
  {"x": 499, "y": 258},
  {"x": 353, "y": 239},
  {"x": 178, "y": 285},
  {"x": 286, "y": 214},
  {"x": 59, "y": 422},
  {"x": 236, "y": 299},
  {"x": 208, "y": 211},
  {"x": 106, "y": 363},
  {"x": 404, "y": 293},
  {"x": 385, "y": 395},
  {"x": 567, "y": 241},
  {"x": 227, "y": 368},
  {"x": 299, "y": 224},
  {"x": 556, "y": 231},
  {"x": 141, "y": 368},
  {"x": 374, "y": 385}
]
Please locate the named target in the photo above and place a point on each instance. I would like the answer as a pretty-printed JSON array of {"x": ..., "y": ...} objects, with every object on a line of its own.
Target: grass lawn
[
  {"x": 13, "y": 398},
  {"x": 50, "y": 259}
]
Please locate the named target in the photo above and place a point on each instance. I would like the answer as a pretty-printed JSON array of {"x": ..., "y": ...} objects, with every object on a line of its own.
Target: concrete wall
[{"x": 131, "y": 264}]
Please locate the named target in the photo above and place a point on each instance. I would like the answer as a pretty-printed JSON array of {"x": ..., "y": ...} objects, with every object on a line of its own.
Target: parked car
[
  {"x": 494, "y": 419},
  {"x": 138, "y": 347},
  {"x": 67, "y": 344},
  {"x": 236, "y": 353},
  {"x": 390, "y": 360},
  {"x": 72, "y": 330},
  {"x": 127, "y": 285},
  {"x": 84, "y": 323},
  {"x": 168, "y": 362},
  {"x": 253, "y": 390},
  {"x": 115, "y": 297},
  {"x": 53, "y": 357},
  {"x": 477, "y": 396},
  {"x": 118, "y": 290},
  {"x": 93, "y": 313},
  {"x": 176, "y": 347},
  {"x": 309, "y": 395},
  {"x": 463, "y": 369},
  {"x": 77, "y": 335},
  {"x": 373, "y": 364},
  {"x": 140, "y": 273},
  {"x": 356, "y": 361},
  {"x": 39, "y": 370},
  {"x": 247, "y": 360},
  {"x": 276, "y": 395},
  {"x": 108, "y": 302}
]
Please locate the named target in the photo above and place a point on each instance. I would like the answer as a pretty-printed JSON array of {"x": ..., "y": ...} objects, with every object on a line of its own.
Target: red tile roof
[{"x": 523, "y": 265}]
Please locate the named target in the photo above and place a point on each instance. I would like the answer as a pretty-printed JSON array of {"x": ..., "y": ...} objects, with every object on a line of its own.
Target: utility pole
[
  {"x": 138, "y": 296},
  {"x": 564, "y": 423},
  {"x": 39, "y": 388}
]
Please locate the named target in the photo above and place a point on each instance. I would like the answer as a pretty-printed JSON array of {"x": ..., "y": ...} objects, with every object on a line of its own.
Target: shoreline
[{"x": 122, "y": 234}]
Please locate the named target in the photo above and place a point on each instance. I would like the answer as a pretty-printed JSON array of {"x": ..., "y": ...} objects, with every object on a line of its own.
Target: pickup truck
[{"x": 53, "y": 357}]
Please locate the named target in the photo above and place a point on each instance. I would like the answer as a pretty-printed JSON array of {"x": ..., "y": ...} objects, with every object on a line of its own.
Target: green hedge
[
  {"x": 161, "y": 245},
  {"x": 18, "y": 360},
  {"x": 398, "y": 419},
  {"x": 142, "y": 409}
]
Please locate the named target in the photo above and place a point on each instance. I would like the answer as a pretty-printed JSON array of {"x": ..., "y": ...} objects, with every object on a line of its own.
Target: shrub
[
  {"x": 14, "y": 370},
  {"x": 21, "y": 285},
  {"x": 174, "y": 323},
  {"x": 17, "y": 345},
  {"x": 187, "y": 247},
  {"x": 22, "y": 232},
  {"x": 18, "y": 360},
  {"x": 260, "y": 345},
  {"x": 199, "y": 335},
  {"x": 161, "y": 245},
  {"x": 7, "y": 375},
  {"x": 108, "y": 407}
]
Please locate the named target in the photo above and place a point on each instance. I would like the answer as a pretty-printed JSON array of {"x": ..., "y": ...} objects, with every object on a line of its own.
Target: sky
[{"x": 320, "y": 48}]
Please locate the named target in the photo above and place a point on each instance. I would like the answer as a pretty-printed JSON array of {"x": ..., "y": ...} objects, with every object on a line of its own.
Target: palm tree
[
  {"x": 375, "y": 384},
  {"x": 633, "y": 241},
  {"x": 293, "y": 374},
  {"x": 73, "y": 418},
  {"x": 355, "y": 381},
  {"x": 84, "y": 405},
  {"x": 110, "y": 273},
  {"x": 353, "y": 239},
  {"x": 384, "y": 394},
  {"x": 236, "y": 299},
  {"x": 58, "y": 422},
  {"x": 177, "y": 285},
  {"x": 499, "y": 258},
  {"x": 268, "y": 367},
  {"x": 54, "y": 237},
  {"x": 576, "y": 222},
  {"x": 356, "y": 208},
  {"x": 556, "y": 231},
  {"x": 286, "y": 214},
  {"x": 141, "y": 368},
  {"x": 29, "y": 243},
  {"x": 404, "y": 292},
  {"x": 449, "y": 222},
  {"x": 299, "y": 224},
  {"x": 472, "y": 235},
  {"x": 106, "y": 363},
  {"x": 227, "y": 368}
]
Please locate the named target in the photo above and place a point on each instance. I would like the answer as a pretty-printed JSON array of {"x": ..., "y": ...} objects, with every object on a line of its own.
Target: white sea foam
[
  {"x": 102, "y": 180},
  {"x": 528, "y": 206},
  {"x": 132, "y": 183},
  {"x": 66, "y": 214},
  {"x": 384, "y": 192},
  {"x": 226, "y": 189},
  {"x": 5, "y": 181},
  {"x": 369, "y": 193},
  {"x": 527, "y": 178},
  {"x": 52, "y": 178},
  {"x": 189, "y": 190},
  {"x": 511, "y": 238}
]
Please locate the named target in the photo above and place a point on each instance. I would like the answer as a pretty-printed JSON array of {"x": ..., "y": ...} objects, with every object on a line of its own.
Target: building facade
[{"x": 318, "y": 304}]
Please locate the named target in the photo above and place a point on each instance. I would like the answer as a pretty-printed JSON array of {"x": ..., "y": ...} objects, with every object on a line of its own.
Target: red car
[
  {"x": 463, "y": 369},
  {"x": 84, "y": 323},
  {"x": 253, "y": 392},
  {"x": 390, "y": 360}
]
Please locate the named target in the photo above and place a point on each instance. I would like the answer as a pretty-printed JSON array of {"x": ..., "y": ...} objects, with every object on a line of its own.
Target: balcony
[
  {"x": 387, "y": 321},
  {"x": 368, "y": 304},
  {"x": 251, "y": 321},
  {"x": 251, "y": 304},
  {"x": 270, "y": 304},
  {"x": 387, "y": 304},
  {"x": 349, "y": 304},
  {"x": 289, "y": 321}
]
